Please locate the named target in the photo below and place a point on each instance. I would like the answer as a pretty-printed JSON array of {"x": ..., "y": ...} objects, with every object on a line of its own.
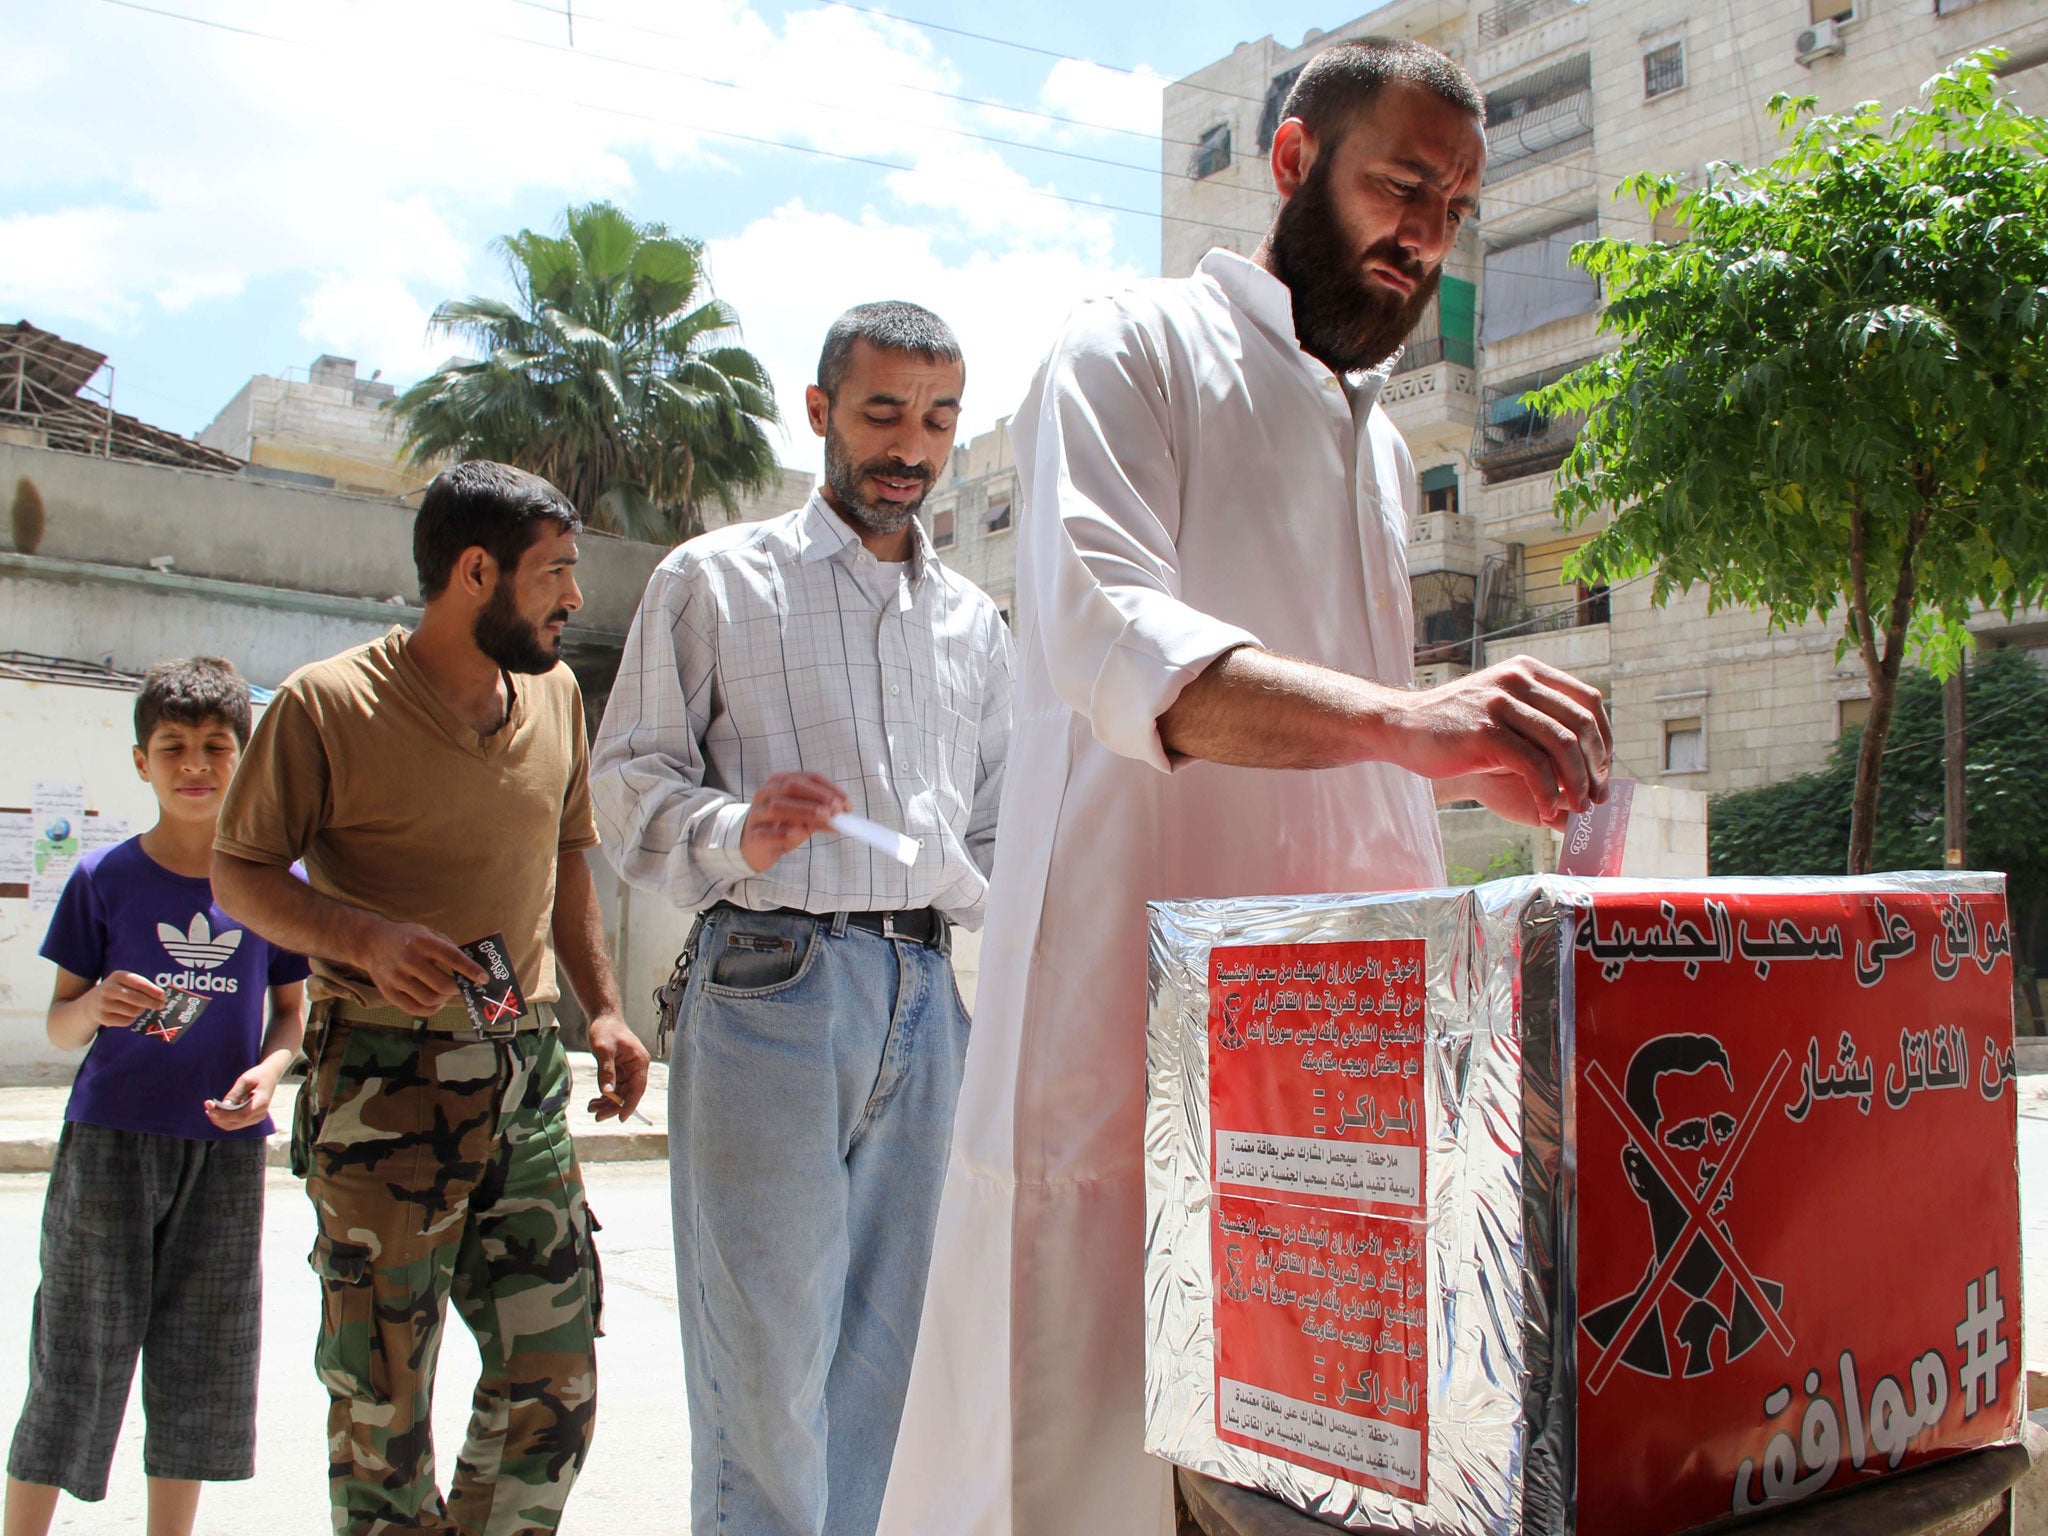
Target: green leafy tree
[
  {"x": 1828, "y": 396},
  {"x": 615, "y": 374},
  {"x": 1797, "y": 827}
]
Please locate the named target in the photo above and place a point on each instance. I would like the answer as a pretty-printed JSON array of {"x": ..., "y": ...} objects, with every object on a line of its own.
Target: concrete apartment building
[
  {"x": 1578, "y": 96},
  {"x": 971, "y": 515},
  {"x": 327, "y": 431}
]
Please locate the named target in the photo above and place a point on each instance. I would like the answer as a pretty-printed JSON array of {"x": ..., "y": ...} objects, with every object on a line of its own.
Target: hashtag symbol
[{"x": 1984, "y": 1351}]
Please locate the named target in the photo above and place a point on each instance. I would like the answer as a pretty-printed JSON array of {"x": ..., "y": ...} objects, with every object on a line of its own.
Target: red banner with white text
[{"x": 1796, "y": 1213}]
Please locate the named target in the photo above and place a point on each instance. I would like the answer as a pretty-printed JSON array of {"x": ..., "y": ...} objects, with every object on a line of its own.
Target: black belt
[
  {"x": 920, "y": 925},
  {"x": 916, "y": 925}
]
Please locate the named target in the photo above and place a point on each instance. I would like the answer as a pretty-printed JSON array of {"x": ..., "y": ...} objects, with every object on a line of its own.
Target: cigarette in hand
[{"x": 611, "y": 1095}]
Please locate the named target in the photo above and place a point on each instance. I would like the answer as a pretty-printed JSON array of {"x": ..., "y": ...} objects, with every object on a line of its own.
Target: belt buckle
[
  {"x": 889, "y": 927},
  {"x": 491, "y": 1029}
]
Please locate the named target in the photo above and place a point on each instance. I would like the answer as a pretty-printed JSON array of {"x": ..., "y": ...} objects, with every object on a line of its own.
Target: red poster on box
[
  {"x": 1315, "y": 1072},
  {"x": 1803, "y": 1273},
  {"x": 1321, "y": 1340},
  {"x": 1317, "y": 1239}
]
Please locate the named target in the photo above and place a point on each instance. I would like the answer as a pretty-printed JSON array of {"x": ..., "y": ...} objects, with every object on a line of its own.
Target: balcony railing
[
  {"x": 1512, "y": 16},
  {"x": 1515, "y": 440},
  {"x": 1445, "y": 609},
  {"x": 1540, "y": 117},
  {"x": 1428, "y": 351}
]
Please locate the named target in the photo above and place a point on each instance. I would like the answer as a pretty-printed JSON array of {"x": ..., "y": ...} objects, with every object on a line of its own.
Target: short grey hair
[
  {"x": 1343, "y": 79},
  {"x": 889, "y": 325}
]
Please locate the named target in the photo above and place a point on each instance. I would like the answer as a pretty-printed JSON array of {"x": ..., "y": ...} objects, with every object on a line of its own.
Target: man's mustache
[
  {"x": 1388, "y": 253},
  {"x": 892, "y": 470}
]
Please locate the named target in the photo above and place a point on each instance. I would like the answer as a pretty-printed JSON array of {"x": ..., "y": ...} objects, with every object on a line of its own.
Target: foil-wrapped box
[{"x": 1581, "y": 1206}]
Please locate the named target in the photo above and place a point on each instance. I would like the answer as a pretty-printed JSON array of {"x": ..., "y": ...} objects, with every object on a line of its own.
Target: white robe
[{"x": 1192, "y": 480}]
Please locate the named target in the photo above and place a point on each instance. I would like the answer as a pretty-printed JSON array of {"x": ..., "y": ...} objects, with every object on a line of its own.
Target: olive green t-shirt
[{"x": 395, "y": 805}]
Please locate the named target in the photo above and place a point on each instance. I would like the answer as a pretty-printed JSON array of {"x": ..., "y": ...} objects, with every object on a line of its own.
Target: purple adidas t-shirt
[{"x": 123, "y": 911}]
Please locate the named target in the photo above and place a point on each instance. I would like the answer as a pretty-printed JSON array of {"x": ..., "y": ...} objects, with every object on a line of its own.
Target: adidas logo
[{"x": 198, "y": 947}]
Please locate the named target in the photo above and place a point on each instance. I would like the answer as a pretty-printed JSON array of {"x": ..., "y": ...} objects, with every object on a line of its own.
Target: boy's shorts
[{"x": 151, "y": 1244}]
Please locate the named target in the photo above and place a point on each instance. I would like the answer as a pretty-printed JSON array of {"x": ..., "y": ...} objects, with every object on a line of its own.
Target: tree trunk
[
  {"x": 1869, "y": 767},
  {"x": 1882, "y": 668},
  {"x": 1955, "y": 796}
]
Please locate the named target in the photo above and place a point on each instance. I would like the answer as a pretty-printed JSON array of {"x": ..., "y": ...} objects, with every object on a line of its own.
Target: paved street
[{"x": 638, "y": 1479}]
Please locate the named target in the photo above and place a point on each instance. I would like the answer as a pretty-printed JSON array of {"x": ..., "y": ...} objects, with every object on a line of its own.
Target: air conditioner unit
[{"x": 1822, "y": 40}]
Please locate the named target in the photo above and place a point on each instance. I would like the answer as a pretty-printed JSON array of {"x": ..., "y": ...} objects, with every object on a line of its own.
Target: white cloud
[
  {"x": 1109, "y": 98},
  {"x": 67, "y": 260},
  {"x": 364, "y": 166},
  {"x": 791, "y": 274},
  {"x": 376, "y": 319}
]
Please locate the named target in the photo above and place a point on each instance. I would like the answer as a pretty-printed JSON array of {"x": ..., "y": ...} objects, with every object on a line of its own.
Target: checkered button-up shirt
[{"x": 759, "y": 649}]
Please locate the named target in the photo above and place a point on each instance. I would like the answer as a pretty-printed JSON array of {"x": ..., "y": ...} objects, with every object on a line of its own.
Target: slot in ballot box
[{"x": 1581, "y": 1206}]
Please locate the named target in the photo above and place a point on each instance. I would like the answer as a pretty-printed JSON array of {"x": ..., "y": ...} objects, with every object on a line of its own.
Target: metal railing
[
  {"x": 1445, "y": 615},
  {"x": 1539, "y": 117},
  {"x": 1513, "y": 439},
  {"x": 1428, "y": 351},
  {"x": 1511, "y": 16},
  {"x": 45, "y": 396}
]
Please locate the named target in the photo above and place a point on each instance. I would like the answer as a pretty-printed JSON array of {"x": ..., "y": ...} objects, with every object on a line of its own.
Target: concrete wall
[
  {"x": 130, "y": 620},
  {"x": 266, "y": 535},
  {"x": 1667, "y": 840},
  {"x": 1667, "y": 834}
]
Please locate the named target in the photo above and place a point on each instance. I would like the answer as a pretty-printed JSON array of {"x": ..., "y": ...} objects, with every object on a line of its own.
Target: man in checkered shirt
[{"x": 777, "y": 674}]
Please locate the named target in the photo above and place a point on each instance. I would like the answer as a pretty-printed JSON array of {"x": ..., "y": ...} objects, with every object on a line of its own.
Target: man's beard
[
  {"x": 513, "y": 641},
  {"x": 1337, "y": 318},
  {"x": 846, "y": 481}
]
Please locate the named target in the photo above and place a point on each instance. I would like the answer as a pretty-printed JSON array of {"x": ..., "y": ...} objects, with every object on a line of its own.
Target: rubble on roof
[{"x": 46, "y": 391}]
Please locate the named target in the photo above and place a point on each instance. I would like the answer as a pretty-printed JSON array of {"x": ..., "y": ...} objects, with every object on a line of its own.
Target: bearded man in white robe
[{"x": 1217, "y": 658}]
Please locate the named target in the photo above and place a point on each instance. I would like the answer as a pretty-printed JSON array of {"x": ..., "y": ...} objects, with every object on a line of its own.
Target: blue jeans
[{"x": 811, "y": 1090}]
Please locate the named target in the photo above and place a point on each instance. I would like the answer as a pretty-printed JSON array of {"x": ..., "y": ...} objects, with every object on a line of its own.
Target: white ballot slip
[{"x": 900, "y": 848}]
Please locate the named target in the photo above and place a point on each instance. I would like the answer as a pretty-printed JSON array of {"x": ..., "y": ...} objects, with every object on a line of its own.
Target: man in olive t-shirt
[{"x": 434, "y": 786}]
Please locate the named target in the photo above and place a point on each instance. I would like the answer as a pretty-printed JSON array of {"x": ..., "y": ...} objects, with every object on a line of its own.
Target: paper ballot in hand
[
  {"x": 1593, "y": 839},
  {"x": 898, "y": 847}
]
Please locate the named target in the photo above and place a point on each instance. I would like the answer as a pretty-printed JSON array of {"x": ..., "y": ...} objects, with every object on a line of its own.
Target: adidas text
[{"x": 197, "y": 981}]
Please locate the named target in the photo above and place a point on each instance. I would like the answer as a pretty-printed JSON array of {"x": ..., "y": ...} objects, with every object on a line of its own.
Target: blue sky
[{"x": 204, "y": 204}]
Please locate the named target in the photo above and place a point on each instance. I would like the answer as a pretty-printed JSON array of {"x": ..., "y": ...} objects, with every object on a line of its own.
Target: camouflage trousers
[{"x": 441, "y": 1169}]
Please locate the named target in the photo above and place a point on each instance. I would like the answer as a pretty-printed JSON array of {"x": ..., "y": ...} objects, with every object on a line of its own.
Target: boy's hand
[
  {"x": 246, "y": 1103},
  {"x": 621, "y": 1067},
  {"x": 415, "y": 967},
  {"x": 121, "y": 998}
]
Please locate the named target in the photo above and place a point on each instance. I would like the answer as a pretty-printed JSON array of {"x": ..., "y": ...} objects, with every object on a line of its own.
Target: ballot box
[{"x": 1597, "y": 1206}]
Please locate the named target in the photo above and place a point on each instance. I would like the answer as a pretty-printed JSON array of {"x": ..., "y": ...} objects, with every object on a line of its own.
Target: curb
[
  {"x": 34, "y": 1154},
  {"x": 629, "y": 1147},
  {"x": 27, "y": 1154}
]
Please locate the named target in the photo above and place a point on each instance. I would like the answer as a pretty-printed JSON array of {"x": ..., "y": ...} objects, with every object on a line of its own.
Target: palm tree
[{"x": 615, "y": 375}]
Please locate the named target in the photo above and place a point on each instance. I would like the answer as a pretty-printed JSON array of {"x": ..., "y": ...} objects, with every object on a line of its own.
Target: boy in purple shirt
[{"x": 153, "y": 1223}]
